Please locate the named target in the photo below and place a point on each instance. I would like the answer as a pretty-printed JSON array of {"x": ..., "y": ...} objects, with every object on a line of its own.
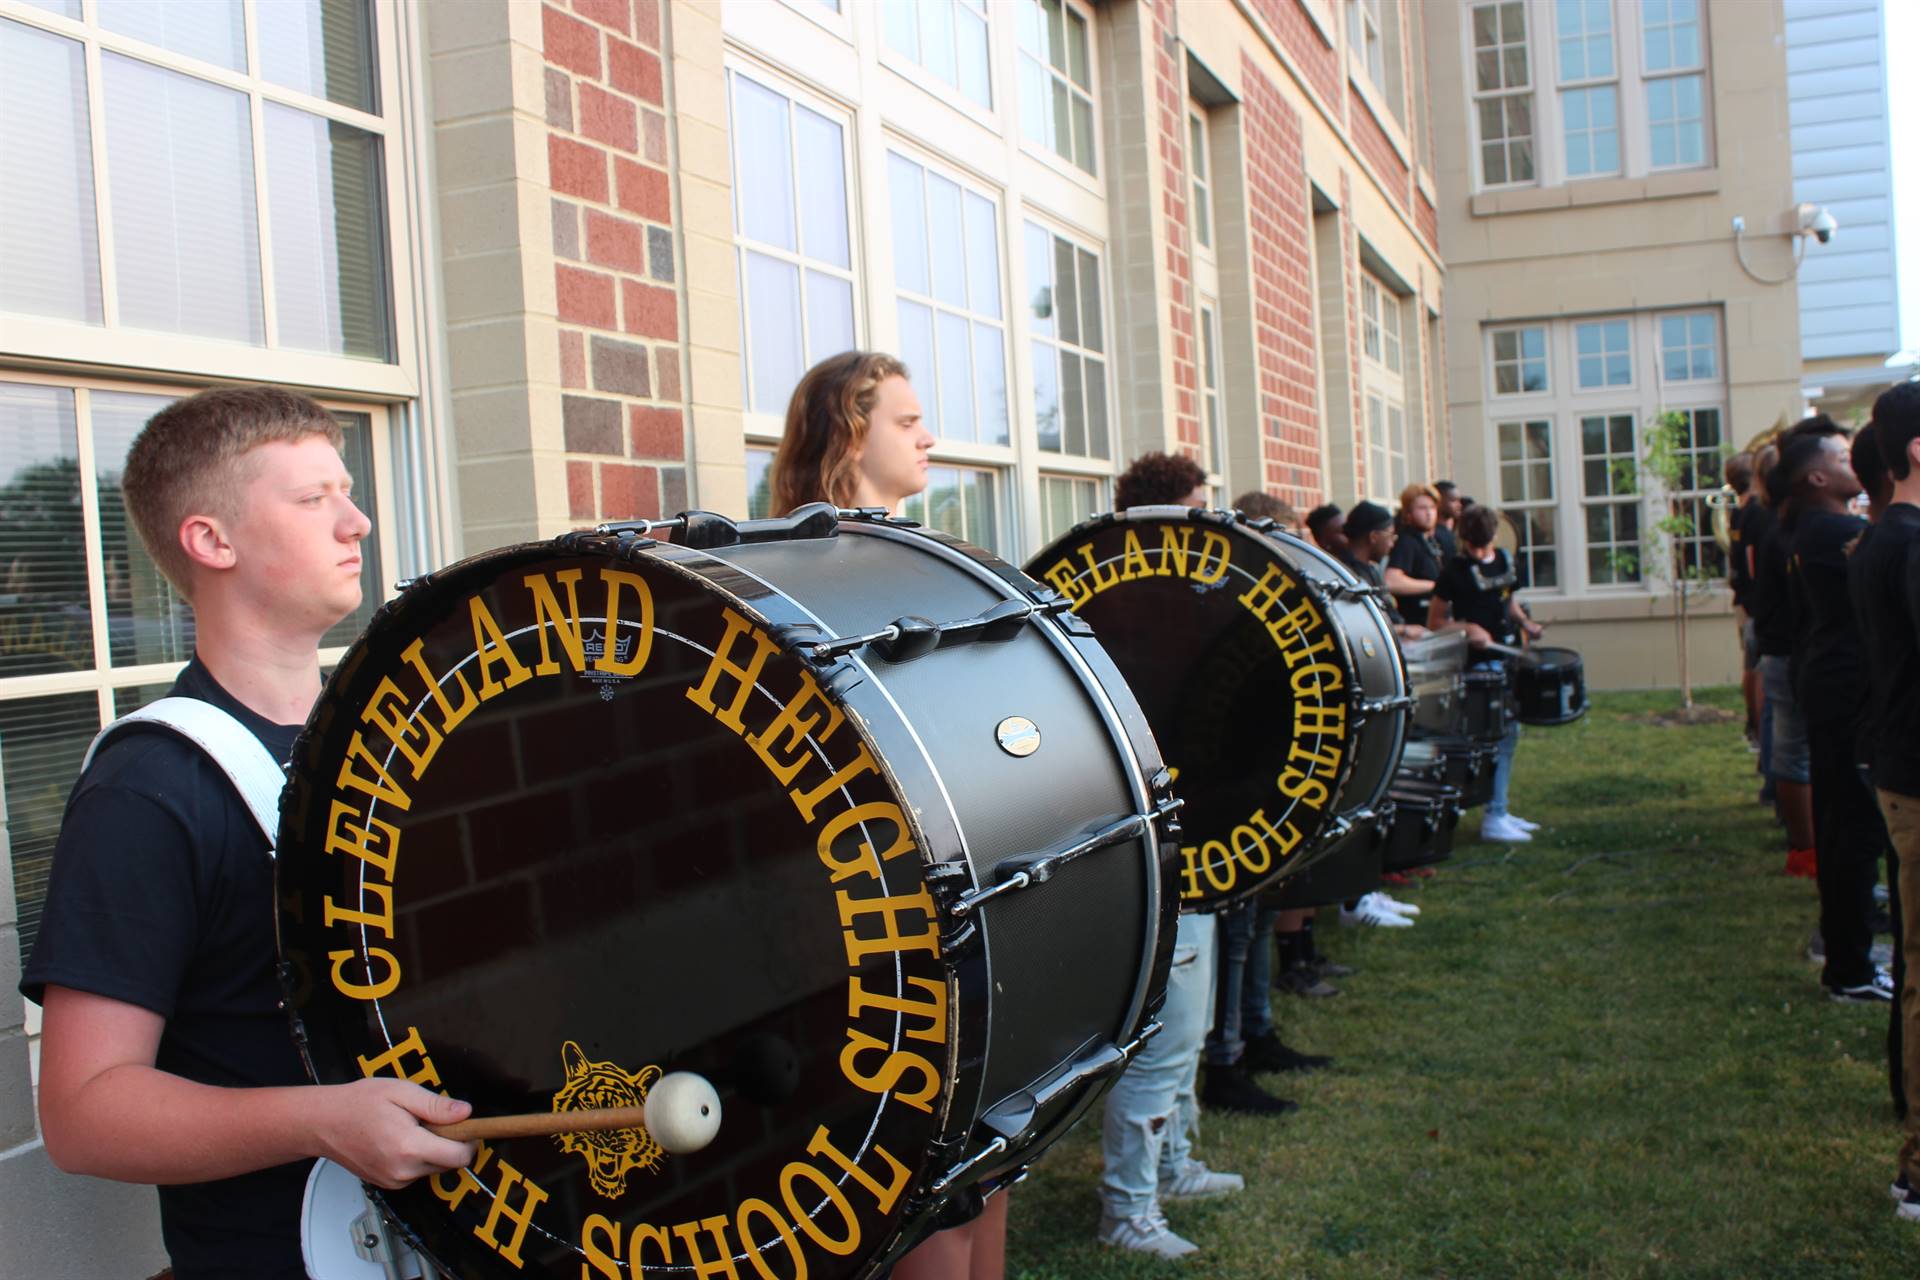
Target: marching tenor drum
[
  {"x": 1270, "y": 675},
  {"x": 845, "y": 817},
  {"x": 1551, "y": 686}
]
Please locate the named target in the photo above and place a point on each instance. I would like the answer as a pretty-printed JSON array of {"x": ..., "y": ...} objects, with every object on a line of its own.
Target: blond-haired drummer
[{"x": 165, "y": 1057}]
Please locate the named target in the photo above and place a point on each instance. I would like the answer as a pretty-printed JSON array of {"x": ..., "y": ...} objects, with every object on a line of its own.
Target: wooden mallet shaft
[{"x": 542, "y": 1124}]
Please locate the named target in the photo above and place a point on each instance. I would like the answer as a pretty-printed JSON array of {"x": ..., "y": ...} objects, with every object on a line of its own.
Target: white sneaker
[
  {"x": 1503, "y": 830},
  {"x": 1148, "y": 1233},
  {"x": 1197, "y": 1182},
  {"x": 1368, "y": 913},
  {"x": 1399, "y": 908},
  {"x": 1525, "y": 824}
]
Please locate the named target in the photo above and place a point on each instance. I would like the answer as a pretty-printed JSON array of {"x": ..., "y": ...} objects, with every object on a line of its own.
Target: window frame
[
  {"x": 1588, "y": 85},
  {"x": 1095, "y": 178},
  {"x": 1031, "y": 216},
  {"x": 1604, "y": 388},
  {"x": 924, "y": 78},
  {"x": 1521, "y": 360},
  {"x": 1635, "y": 498},
  {"x": 1528, "y": 93},
  {"x": 1383, "y": 384},
  {"x": 1200, "y": 180}
]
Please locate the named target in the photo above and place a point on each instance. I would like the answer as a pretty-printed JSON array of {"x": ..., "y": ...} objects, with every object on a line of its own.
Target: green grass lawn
[{"x": 1601, "y": 1053}]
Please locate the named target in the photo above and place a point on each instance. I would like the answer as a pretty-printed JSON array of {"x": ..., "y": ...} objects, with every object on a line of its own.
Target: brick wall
[
  {"x": 1372, "y": 143},
  {"x": 1170, "y": 140},
  {"x": 616, "y": 276},
  {"x": 1427, "y": 218},
  {"x": 1300, "y": 36},
  {"x": 1279, "y": 233}
]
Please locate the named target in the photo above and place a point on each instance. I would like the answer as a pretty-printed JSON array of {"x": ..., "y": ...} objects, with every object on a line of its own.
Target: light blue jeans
[
  {"x": 1503, "y": 761},
  {"x": 1153, "y": 1112}
]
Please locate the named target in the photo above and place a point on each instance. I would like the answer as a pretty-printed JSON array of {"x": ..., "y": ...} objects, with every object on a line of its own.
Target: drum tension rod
[
  {"x": 907, "y": 638},
  {"x": 1379, "y": 706},
  {"x": 1023, "y": 870}
]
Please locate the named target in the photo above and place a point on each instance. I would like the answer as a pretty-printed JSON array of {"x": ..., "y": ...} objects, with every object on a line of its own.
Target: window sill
[
  {"x": 1613, "y": 604},
  {"x": 1654, "y": 186}
]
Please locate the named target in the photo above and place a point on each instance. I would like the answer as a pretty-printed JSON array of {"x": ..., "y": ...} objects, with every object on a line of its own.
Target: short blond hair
[
  {"x": 1418, "y": 490},
  {"x": 186, "y": 461}
]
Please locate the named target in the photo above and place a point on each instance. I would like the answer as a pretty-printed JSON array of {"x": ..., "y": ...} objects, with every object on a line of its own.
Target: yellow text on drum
[
  {"x": 367, "y": 781},
  {"x": 1314, "y": 755},
  {"x": 815, "y": 1203},
  {"x": 873, "y": 922},
  {"x": 1176, "y": 555}
]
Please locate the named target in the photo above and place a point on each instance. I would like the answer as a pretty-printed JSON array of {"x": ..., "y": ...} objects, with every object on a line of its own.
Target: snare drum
[
  {"x": 344, "y": 1236},
  {"x": 1270, "y": 675},
  {"x": 1489, "y": 702},
  {"x": 1551, "y": 686},
  {"x": 834, "y": 812}
]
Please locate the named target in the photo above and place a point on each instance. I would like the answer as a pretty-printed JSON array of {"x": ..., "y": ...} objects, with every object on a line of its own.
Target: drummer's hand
[
  {"x": 1477, "y": 636},
  {"x": 374, "y": 1128},
  {"x": 1413, "y": 631},
  {"x": 1533, "y": 629}
]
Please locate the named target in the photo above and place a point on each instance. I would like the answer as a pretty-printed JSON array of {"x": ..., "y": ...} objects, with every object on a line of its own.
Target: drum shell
[
  {"x": 1489, "y": 703},
  {"x": 1550, "y": 689},
  {"x": 1424, "y": 820},
  {"x": 1467, "y": 767},
  {"x": 1349, "y": 869}
]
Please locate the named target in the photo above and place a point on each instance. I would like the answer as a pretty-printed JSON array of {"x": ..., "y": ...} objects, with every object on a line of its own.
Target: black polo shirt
[
  {"x": 1883, "y": 578},
  {"x": 1738, "y": 575},
  {"x": 1478, "y": 591},
  {"x": 1772, "y": 605},
  {"x": 1419, "y": 556},
  {"x": 1830, "y": 684}
]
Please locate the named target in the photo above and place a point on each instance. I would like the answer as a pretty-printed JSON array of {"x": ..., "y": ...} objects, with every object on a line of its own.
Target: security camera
[{"x": 1816, "y": 221}]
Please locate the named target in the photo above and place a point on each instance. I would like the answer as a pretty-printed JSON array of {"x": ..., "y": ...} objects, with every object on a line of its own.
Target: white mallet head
[{"x": 682, "y": 1112}]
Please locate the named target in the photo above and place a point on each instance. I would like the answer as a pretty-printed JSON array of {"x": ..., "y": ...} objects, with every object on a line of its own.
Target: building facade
[
  {"x": 1593, "y": 156},
  {"x": 557, "y": 263}
]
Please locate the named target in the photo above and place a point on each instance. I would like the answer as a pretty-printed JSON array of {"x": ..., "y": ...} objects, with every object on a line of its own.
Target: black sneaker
[
  {"x": 1232, "y": 1089},
  {"x": 1267, "y": 1053},
  {"x": 1302, "y": 980},
  {"x": 1332, "y": 968},
  {"x": 1877, "y": 990}
]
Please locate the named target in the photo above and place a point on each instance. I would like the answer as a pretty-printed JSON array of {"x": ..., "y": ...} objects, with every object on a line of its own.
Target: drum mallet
[{"x": 682, "y": 1112}]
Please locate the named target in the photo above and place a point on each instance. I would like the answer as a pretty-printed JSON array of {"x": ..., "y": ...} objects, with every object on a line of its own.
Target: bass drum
[
  {"x": 833, "y": 812},
  {"x": 1269, "y": 673}
]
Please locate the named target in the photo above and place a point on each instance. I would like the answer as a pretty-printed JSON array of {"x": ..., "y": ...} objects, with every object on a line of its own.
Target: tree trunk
[{"x": 1680, "y": 587}]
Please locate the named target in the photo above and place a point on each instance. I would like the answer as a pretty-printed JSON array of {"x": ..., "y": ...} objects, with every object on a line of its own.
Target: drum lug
[
  {"x": 1026, "y": 869},
  {"x": 1380, "y": 706},
  {"x": 944, "y": 1183}
]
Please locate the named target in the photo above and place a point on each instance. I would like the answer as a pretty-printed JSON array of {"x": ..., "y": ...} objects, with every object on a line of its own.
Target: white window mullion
[
  {"x": 257, "y": 127},
  {"x": 102, "y": 197},
  {"x": 89, "y": 473}
]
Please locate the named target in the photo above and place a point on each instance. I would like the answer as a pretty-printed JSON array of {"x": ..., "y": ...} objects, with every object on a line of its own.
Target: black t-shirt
[
  {"x": 1771, "y": 603},
  {"x": 1884, "y": 579},
  {"x": 1367, "y": 571},
  {"x": 1826, "y": 641},
  {"x": 1449, "y": 545},
  {"x": 1479, "y": 591},
  {"x": 1419, "y": 556},
  {"x": 1738, "y": 576},
  {"x": 162, "y": 896}
]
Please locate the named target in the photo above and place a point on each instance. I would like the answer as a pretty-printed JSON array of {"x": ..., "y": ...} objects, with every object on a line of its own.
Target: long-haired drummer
[
  {"x": 1475, "y": 592},
  {"x": 855, "y": 437},
  {"x": 165, "y": 1057}
]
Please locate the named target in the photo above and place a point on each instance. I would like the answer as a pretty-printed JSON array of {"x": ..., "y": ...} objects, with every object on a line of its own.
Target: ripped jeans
[{"x": 1152, "y": 1111}]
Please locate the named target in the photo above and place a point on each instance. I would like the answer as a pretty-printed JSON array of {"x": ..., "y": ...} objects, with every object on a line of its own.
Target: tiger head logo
[{"x": 612, "y": 1153}]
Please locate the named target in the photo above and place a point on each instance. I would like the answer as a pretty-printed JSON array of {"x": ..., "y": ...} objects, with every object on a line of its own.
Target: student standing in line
[
  {"x": 1739, "y": 476},
  {"x": 1788, "y": 766},
  {"x": 1414, "y": 564}
]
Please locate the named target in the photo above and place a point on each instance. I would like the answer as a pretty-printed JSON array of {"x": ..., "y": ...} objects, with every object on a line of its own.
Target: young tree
[{"x": 1675, "y": 455}]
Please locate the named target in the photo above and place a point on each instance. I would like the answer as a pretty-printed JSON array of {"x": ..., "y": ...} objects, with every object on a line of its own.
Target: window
[
  {"x": 946, "y": 266},
  {"x": 1213, "y": 460},
  {"x": 1197, "y": 165},
  {"x": 1673, "y": 64},
  {"x": 759, "y": 482},
  {"x": 1519, "y": 361},
  {"x": 201, "y": 177},
  {"x": 1056, "y": 79},
  {"x": 1384, "y": 389},
  {"x": 1364, "y": 40},
  {"x": 1380, "y": 310},
  {"x": 1689, "y": 347},
  {"x": 1670, "y": 33},
  {"x": 1603, "y": 354},
  {"x": 959, "y": 501},
  {"x": 1369, "y": 318},
  {"x": 1069, "y": 365},
  {"x": 1589, "y": 96},
  {"x": 795, "y": 255},
  {"x": 1610, "y": 496},
  {"x": 1386, "y": 449},
  {"x": 1527, "y": 497},
  {"x": 1503, "y": 93},
  {"x": 1065, "y": 501},
  {"x": 1390, "y": 331},
  {"x": 1702, "y": 449},
  {"x": 945, "y": 38}
]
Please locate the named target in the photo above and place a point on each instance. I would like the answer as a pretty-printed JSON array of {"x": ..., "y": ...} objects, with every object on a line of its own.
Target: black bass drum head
[
  {"x": 564, "y": 823},
  {"x": 1242, "y": 673}
]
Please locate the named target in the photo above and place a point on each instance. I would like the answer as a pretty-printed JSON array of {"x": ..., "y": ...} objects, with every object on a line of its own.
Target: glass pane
[
  {"x": 321, "y": 47},
  {"x": 1202, "y": 218},
  {"x": 1077, "y": 61},
  {"x": 1513, "y": 482},
  {"x": 42, "y": 741},
  {"x": 983, "y": 256},
  {"x": 970, "y": 33},
  {"x": 1619, "y": 370},
  {"x": 763, "y": 163},
  {"x": 186, "y": 243},
  {"x": 1586, "y": 339},
  {"x": 1486, "y": 26},
  {"x": 943, "y": 501},
  {"x": 1046, "y": 396},
  {"x": 773, "y": 331},
  {"x": 1592, "y": 371},
  {"x": 1062, "y": 119},
  {"x": 945, "y": 242},
  {"x": 983, "y": 517},
  {"x": 147, "y": 620},
  {"x": 210, "y": 30},
  {"x": 937, "y": 53},
  {"x": 1533, "y": 343},
  {"x": 1090, "y": 335},
  {"x": 916, "y": 349},
  {"x": 1083, "y": 133},
  {"x": 902, "y": 23},
  {"x": 1034, "y": 117},
  {"x": 49, "y": 253},
  {"x": 1539, "y": 439},
  {"x": 65, "y": 8},
  {"x": 1506, "y": 346},
  {"x": 1506, "y": 380},
  {"x": 904, "y": 185},
  {"x": 1040, "y": 279},
  {"x": 759, "y": 483},
  {"x": 1593, "y": 435},
  {"x": 990, "y": 379},
  {"x": 1056, "y": 33},
  {"x": 829, "y": 316},
  {"x": 1673, "y": 364},
  {"x": 1029, "y": 28},
  {"x": 823, "y": 197},
  {"x": 1520, "y": 161},
  {"x": 1073, "y": 404},
  {"x": 1065, "y": 291},
  {"x": 45, "y": 619},
  {"x": 1097, "y": 444},
  {"x": 357, "y": 451},
  {"x": 1533, "y": 375},
  {"x": 1197, "y": 148},
  {"x": 1623, "y": 434},
  {"x": 956, "y": 378},
  {"x": 1493, "y": 164},
  {"x": 329, "y": 243},
  {"x": 1594, "y": 476}
]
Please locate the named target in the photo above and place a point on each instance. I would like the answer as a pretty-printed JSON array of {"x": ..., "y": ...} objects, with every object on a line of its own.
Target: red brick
[
  {"x": 629, "y": 493},
  {"x": 580, "y": 491},
  {"x": 633, "y": 70},
  {"x": 573, "y": 359},
  {"x": 569, "y": 42},
  {"x": 641, "y": 190},
  {"x": 666, "y": 380},
  {"x": 656, "y": 433},
  {"x": 585, "y": 297},
  {"x": 615, "y": 242},
  {"x": 608, "y": 118},
  {"x": 650, "y": 312},
  {"x": 653, "y": 132},
  {"x": 576, "y": 169},
  {"x": 646, "y": 21},
  {"x": 608, "y": 13}
]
